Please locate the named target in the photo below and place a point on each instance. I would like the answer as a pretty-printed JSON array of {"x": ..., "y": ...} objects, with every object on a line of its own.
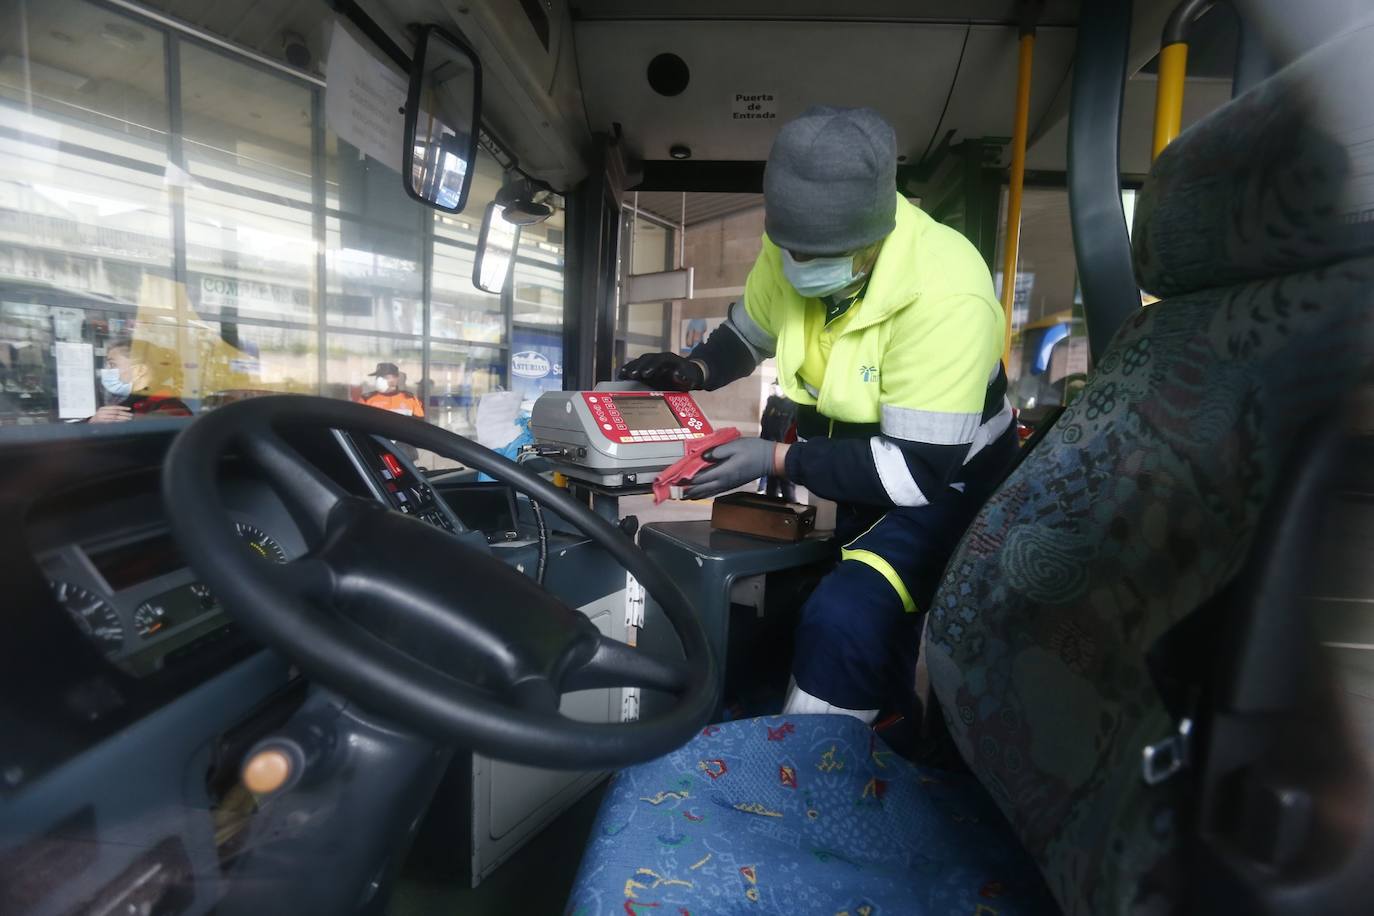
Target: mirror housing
[
  {"x": 516, "y": 196},
  {"x": 443, "y": 117},
  {"x": 496, "y": 247}
]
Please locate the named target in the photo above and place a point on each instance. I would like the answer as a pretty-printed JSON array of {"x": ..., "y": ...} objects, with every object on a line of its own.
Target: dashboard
[
  {"x": 134, "y": 698},
  {"x": 128, "y": 589},
  {"x": 108, "y": 623},
  {"x": 134, "y": 598}
]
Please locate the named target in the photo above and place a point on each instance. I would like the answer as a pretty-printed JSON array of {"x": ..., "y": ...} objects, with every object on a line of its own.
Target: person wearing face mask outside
[
  {"x": 888, "y": 336},
  {"x": 388, "y": 393},
  {"x": 139, "y": 380}
]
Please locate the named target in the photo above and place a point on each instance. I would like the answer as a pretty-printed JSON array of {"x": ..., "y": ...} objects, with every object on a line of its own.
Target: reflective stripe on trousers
[{"x": 859, "y": 633}]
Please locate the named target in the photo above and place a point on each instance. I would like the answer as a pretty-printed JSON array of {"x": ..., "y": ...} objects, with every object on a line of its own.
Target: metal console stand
[
  {"x": 706, "y": 564},
  {"x": 606, "y": 500}
]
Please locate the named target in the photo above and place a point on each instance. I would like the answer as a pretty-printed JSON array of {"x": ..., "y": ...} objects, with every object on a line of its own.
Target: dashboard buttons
[{"x": 204, "y": 596}]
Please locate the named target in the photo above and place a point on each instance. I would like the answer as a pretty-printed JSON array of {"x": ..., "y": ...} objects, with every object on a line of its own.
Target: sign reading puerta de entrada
[{"x": 754, "y": 106}]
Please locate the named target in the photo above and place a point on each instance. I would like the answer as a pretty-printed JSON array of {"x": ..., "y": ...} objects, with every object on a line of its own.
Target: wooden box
[{"x": 762, "y": 516}]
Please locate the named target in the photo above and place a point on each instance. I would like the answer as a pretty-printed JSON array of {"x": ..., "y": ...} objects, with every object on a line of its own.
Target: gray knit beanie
[{"x": 831, "y": 181}]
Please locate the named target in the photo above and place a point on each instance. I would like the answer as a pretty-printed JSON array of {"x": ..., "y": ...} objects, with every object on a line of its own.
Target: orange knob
[{"x": 267, "y": 771}]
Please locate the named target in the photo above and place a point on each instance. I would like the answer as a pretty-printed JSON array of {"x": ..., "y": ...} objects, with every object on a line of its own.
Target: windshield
[{"x": 188, "y": 218}]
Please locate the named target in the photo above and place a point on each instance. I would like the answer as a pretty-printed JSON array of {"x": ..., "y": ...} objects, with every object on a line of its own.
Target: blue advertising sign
[{"x": 536, "y": 362}]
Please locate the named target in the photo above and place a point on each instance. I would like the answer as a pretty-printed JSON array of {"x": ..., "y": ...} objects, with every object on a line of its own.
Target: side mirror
[
  {"x": 443, "y": 116},
  {"x": 496, "y": 245}
]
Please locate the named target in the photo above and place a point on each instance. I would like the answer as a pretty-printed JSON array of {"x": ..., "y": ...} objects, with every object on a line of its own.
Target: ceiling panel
[
  {"x": 1056, "y": 11},
  {"x": 905, "y": 72}
]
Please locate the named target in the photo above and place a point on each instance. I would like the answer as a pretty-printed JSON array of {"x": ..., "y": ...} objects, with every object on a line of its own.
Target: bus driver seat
[{"x": 1138, "y": 511}]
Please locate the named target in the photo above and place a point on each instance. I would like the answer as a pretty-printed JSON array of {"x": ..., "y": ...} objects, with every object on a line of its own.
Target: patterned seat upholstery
[
  {"x": 1138, "y": 507},
  {"x": 1142, "y": 503},
  {"x": 809, "y": 814}
]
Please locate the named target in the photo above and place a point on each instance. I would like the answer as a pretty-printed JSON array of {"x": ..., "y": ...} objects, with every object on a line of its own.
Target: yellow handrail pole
[
  {"x": 1173, "y": 68},
  {"x": 1018, "y": 181}
]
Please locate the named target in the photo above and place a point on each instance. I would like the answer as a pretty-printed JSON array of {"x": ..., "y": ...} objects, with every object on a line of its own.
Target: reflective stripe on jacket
[{"x": 920, "y": 353}]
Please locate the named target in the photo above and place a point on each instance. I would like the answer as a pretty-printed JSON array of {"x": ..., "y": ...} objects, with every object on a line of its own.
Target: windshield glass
[{"x": 187, "y": 220}]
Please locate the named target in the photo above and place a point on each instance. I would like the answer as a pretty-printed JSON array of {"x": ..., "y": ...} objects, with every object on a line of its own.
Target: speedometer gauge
[
  {"x": 151, "y": 618},
  {"x": 95, "y": 618},
  {"x": 261, "y": 544}
]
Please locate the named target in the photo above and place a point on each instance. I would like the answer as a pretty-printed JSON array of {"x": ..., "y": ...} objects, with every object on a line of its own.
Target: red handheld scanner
[{"x": 671, "y": 480}]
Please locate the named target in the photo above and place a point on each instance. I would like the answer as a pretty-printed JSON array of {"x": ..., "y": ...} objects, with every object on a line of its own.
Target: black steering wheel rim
[{"x": 343, "y": 655}]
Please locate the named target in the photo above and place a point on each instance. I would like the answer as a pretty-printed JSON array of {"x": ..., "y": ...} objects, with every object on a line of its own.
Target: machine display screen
[{"x": 645, "y": 413}]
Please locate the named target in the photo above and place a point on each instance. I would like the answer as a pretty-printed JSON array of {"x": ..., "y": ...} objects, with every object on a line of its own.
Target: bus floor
[{"x": 537, "y": 878}]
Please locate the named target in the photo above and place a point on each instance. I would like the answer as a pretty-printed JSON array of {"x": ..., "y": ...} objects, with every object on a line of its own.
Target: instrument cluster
[{"x": 137, "y": 601}]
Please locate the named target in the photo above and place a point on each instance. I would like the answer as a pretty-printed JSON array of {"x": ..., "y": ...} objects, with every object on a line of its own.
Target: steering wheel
[{"x": 410, "y": 622}]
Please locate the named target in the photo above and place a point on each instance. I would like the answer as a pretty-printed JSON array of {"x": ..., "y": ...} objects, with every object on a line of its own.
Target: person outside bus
[
  {"x": 140, "y": 379},
  {"x": 390, "y": 394},
  {"x": 888, "y": 336}
]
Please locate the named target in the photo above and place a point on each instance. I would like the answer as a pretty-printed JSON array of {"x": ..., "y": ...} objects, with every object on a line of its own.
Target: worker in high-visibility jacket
[{"x": 888, "y": 335}]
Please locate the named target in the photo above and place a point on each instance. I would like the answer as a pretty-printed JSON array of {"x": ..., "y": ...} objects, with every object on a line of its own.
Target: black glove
[{"x": 664, "y": 372}]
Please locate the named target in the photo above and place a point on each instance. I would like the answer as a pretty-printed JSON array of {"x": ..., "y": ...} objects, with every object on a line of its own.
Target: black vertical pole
[
  {"x": 670, "y": 250},
  {"x": 1100, "y": 241},
  {"x": 1253, "y": 60},
  {"x": 607, "y": 301},
  {"x": 318, "y": 228},
  {"x": 590, "y": 301},
  {"x": 176, "y": 156},
  {"x": 579, "y": 285},
  {"x": 422, "y": 388}
]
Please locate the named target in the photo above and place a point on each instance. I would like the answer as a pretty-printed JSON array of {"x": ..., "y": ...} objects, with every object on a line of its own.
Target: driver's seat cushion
[{"x": 802, "y": 814}]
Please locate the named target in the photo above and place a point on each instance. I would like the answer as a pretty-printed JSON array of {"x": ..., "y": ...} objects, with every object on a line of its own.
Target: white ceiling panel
[
  {"x": 1055, "y": 11},
  {"x": 904, "y": 71}
]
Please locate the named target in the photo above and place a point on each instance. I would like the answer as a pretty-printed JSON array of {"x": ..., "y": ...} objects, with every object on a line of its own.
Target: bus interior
[{"x": 268, "y": 649}]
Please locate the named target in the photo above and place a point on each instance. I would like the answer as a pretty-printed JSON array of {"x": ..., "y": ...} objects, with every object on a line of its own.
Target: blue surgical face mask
[
  {"x": 111, "y": 382},
  {"x": 819, "y": 276}
]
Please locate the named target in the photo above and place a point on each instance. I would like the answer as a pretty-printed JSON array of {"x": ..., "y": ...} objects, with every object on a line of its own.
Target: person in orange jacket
[{"x": 389, "y": 395}]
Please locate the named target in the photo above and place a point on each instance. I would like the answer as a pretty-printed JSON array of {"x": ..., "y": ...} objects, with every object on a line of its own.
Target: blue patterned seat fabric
[{"x": 807, "y": 814}]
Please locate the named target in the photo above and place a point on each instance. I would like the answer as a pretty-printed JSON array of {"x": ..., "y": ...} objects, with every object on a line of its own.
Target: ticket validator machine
[
  {"x": 616, "y": 437},
  {"x": 614, "y": 442}
]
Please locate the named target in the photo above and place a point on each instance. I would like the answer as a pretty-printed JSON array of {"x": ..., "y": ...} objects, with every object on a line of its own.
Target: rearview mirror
[
  {"x": 443, "y": 115},
  {"x": 496, "y": 245}
]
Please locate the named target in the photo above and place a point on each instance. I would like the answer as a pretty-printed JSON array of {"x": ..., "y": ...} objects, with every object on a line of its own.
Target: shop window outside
[{"x": 259, "y": 248}]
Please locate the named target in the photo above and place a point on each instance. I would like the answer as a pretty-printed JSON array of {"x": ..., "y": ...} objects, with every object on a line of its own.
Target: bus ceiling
[
  {"x": 556, "y": 74},
  {"x": 712, "y": 80},
  {"x": 686, "y": 84}
]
